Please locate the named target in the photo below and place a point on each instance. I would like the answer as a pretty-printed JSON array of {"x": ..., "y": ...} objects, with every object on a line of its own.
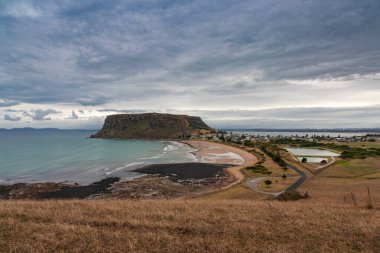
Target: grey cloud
[
  {"x": 20, "y": 9},
  {"x": 7, "y": 103},
  {"x": 191, "y": 54},
  {"x": 11, "y": 118},
  {"x": 73, "y": 115},
  {"x": 22, "y": 112},
  {"x": 40, "y": 114},
  {"x": 12, "y": 110},
  {"x": 150, "y": 46},
  {"x": 124, "y": 111},
  {"x": 92, "y": 101},
  {"x": 280, "y": 118}
]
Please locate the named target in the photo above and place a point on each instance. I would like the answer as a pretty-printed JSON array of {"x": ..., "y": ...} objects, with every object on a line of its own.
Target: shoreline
[
  {"x": 233, "y": 170},
  {"x": 218, "y": 167}
]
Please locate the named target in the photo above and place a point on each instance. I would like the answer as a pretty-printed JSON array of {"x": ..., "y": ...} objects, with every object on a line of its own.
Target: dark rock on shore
[
  {"x": 183, "y": 171},
  {"x": 80, "y": 192},
  {"x": 27, "y": 191},
  {"x": 151, "y": 126},
  {"x": 51, "y": 190}
]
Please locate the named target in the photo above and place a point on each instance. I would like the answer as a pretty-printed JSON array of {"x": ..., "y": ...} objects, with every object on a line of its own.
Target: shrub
[
  {"x": 259, "y": 169},
  {"x": 268, "y": 182},
  {"x": 304, "y": 160},
  {"x": 347, "y": 154},
  {"x": 292, "y": 196}
]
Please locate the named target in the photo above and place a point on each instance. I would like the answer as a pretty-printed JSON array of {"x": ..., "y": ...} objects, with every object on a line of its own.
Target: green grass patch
[
  {"x": 354, "y": 168},
  {"x": 259, "y": 169}
]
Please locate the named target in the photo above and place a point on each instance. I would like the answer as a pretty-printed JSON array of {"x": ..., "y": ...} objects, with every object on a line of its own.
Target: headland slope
[{"x": 151, "y": 126}]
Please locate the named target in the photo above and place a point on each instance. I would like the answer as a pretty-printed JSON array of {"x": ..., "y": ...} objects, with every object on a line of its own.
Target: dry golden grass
[
  {"x": 344, "y": 177},
  {"x": 333, "y": 190},
  {"x": 240, "y": 191},
  {"x": 354, "y": 168},
  {"x": 186, "y": 226}
]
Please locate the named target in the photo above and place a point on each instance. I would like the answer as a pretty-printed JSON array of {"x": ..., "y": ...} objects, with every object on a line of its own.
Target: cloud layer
[{"x": 290, "y": 59}]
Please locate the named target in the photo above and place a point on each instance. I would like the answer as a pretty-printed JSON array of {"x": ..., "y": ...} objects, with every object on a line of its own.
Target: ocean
[{"x": 60, "y": 156}]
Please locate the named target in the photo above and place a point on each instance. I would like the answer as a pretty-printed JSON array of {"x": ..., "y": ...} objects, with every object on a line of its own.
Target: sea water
[{"x": 59, "y": 156}]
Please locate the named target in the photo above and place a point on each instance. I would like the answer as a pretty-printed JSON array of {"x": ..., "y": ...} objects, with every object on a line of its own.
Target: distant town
[{"x": 241, "y": 138}]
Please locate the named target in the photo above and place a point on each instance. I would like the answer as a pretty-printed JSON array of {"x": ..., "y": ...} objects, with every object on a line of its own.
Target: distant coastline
[
  {"x": 45, "y": 129},
  {"x": 334, "y": 130}
]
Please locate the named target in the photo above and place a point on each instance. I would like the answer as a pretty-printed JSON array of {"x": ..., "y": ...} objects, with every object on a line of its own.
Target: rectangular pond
[{"x": 311, "y": 152}]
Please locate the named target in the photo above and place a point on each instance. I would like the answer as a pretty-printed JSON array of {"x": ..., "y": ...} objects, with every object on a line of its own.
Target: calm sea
[{"x": 53, "y": 155}]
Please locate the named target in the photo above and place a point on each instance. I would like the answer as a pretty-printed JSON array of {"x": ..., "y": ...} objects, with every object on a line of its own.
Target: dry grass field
[
  {"x": 186, "y": 226},
  {"x": 277, "y": 185},
  {"x": 333, "y": 190},
  {"x": 344, "y": 177},
  {"x": 236, "y": 219},
  {"x": 369, "y": 168},
  {"x": 240, "y": 192}
]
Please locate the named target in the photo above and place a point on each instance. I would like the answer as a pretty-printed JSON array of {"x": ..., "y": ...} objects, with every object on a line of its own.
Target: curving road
[
  {"x": 253, "y": 184},
  {"x": 299, "y": 182}
]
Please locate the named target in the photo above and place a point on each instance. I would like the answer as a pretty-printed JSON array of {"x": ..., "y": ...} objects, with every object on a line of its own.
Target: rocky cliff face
[{"x": 150, "y": 126}]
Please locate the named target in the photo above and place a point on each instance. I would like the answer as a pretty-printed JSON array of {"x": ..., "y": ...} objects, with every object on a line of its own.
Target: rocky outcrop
[{"x": 151, "y": 126}]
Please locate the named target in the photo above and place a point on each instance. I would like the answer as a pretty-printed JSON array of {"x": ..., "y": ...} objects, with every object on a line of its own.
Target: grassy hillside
[
  {"x": 347, "y": 176},
  {"x": 186, "y": 226}
]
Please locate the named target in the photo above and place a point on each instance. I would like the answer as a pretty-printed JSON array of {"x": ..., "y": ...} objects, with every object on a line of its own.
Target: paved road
[
  {"x": 299, "y": 182},
  {"x": 253, "y": 184}
]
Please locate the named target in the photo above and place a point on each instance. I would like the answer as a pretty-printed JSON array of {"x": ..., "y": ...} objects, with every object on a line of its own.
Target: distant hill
[
  {"x": 30, "y": 129},
  {"x": 151, "y": 126}
]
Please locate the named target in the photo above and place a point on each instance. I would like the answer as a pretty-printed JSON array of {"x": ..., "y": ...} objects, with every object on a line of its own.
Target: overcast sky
[{"x": 249, "y": 64}]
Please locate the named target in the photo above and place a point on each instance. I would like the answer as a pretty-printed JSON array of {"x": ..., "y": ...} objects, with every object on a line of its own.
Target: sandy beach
[{"x": 212, "y": 152}]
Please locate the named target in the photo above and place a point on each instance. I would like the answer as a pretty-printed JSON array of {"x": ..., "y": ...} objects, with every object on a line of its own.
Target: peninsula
[{"x": 152, "y": 126}]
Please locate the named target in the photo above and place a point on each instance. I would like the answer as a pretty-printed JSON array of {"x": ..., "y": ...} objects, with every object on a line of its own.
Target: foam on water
[
  {"x": 170, "y": 148},
  {"x": 151, "y": 157},
  {"x": 108, "y": 172}
]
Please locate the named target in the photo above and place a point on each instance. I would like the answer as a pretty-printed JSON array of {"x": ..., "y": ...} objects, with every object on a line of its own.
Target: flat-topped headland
[{"x": 151, "y": 126}]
